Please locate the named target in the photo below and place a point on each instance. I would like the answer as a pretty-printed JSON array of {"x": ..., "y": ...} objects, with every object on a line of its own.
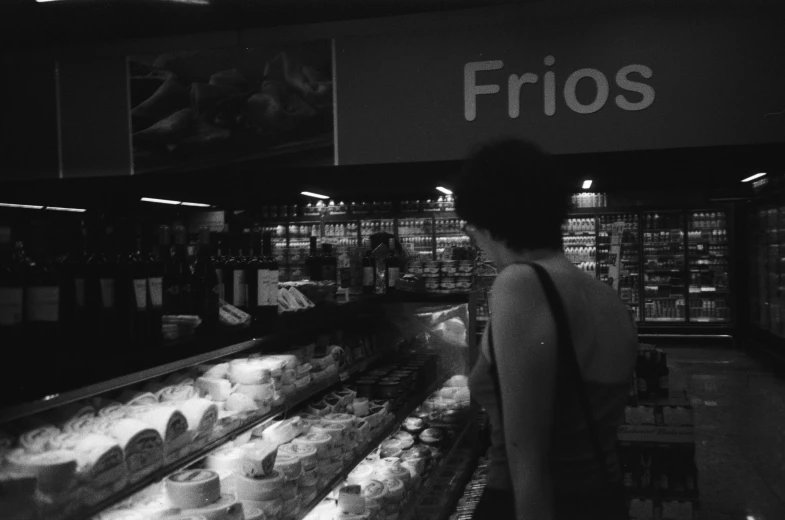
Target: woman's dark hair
[{"x": 509, "y": 188}]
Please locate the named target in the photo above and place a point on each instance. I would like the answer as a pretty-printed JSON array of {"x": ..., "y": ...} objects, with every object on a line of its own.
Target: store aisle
[{"x": 740, "y": 432}]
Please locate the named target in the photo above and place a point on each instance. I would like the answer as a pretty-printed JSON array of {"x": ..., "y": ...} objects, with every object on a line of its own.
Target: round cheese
[
  {"x": 307, "y": 453},
  {"x": 249, "y": 372},
  {"x": 218, "y": 371},
  {"x": 321, "y": 441},
  {"x": 191, "y": 489},
  {"x": 319, "y": 408},
  {"x": 176, "y": 393},
  {"x": 257, "y": 392},
  {"x": 35, "y": 441},
  {"x": 415, "y": 467},
  {"x": 259, "y": 489},
  {"x": 375, "y": 492},
  {"x": 344, "y": 419},
  {"x": 54, "y": 470},
  {"x": 361, "y": 406},
  {"x": 227, "y": 479},
  {"x": 308, "y": 478},
  {"x": 360, "y": 475},
  {"x": 395, "y": 489},
  {"x": 226, "y": 459},
  {"x": 226, "y": 508},
  {"x": 259, "y": 461},
  {"x": 351, "y": 500},
  {"x": 289, "y": 465},
  {"x": 337, "y": 432},
  {"x": 214, "y": 388},
  {"x": 113, "y": 411},
  {"x": 270, "y": 508},
  {"x": 240, "y": 403}
]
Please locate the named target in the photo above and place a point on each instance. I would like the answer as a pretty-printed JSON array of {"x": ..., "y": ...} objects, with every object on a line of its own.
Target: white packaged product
[
  {"x": 226, "y": 508},
  {"x": 240, "y": 403},
  {"x": 113, "y": 411},
  {"x": 249, "y": 372},
  {"x": 192, "y": 489},
  {"x": 321, "y": 441},
  {"x": 270, "y": 508},
  {"x": 337, "y": 432},
  {"x": 214, "y": 388},
  {"x": 360, "y": 475},
  {"x": 227, "y": 459},
  {"x": 289, "y": 465},
  {"x": 176, "y": 393},
  {"x": 281, "y": 432},
  {"x": 375, "y": 493},
  {"x": 344, "y": 419},
  {"x": 35, "y": 441},
  {"x": 259, "y": 489},
  {"x": 142, "y": 445},
  {"x": 218, "y": 370},
  {"x": 170, "y": 423},
  {"x": 260, "y": 392},
  {"x": 308, "y": 454},
  {"x": 81, "y": 424},
  {"x": 351, "y": 500},
  {"x": 259, "y": 461},
  {"x": 201, "y": 414}
]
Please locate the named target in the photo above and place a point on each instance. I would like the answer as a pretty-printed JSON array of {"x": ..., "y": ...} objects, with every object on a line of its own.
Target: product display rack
[
  {"x": 448, "y": 230},
  {"x": 629, "y": 257},
  {"x": 415, "y": 231},
  {"x": 664, "y": 267},
  {"x": 709, "y": 266},
  {"x": 579, "y": 236},
  {"x": 767, "y": 262}
]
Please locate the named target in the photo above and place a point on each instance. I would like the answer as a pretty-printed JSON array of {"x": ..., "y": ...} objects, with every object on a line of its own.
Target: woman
[{"x": 556, "y": 362}]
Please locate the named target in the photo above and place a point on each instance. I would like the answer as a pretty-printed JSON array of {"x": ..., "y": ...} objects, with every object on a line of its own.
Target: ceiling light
[
  {"x": 444, "y": 190},
  {"x": 314, "y": 195},
  {"x": 753, "y": 177},
  {"x": 586, "y": 184},
  {"x": 195, "y": 204},
  {"x": 74, "y": 210},
  {"x": 160, "y": 201},
  {"x": 21, "y": 206}
]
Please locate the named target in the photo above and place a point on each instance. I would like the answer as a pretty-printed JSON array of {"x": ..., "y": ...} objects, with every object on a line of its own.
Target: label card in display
[
  {"x": 140, "y": 291},
  {"x": 240, "y": 289},
  {"x": 262, "y": 288},
  {"x": 156, "y": 288}
]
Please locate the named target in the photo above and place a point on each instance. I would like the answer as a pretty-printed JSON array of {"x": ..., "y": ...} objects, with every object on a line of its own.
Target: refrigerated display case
[
  {"x": 266, "y": 428},
  {"x": 768, "y": 270},
  {"x": 580, "y": 242},
  {"x": 708, "y": 254},
  {"x": 449, "y": 235},
  {"x": 416, "y": 235},
  {"x": 664, "y": 268},
  {"x": 628, "y": 261}
]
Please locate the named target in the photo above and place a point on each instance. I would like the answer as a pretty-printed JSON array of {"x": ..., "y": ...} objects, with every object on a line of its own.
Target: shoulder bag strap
[{"x": 567, "y": 353}]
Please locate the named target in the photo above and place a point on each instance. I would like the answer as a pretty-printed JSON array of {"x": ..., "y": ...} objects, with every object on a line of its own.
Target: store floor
[{"x": 739, "y": 406}]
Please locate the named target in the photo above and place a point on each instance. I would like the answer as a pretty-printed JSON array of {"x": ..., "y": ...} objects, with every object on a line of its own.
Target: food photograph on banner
[{"x": 209, "y": 107}]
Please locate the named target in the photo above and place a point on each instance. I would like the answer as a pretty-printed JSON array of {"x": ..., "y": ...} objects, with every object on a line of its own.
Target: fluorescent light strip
[
  {"x": 73, "y": 210},
  {"x": 444, "y": 190},
  {"x": 20, "y": 206},
  {"x": 586, "y": 184},
  {"x": 161, "y": 201},
  {"x": 195, "y": 204},
  {"x": 753, "y": 177},
  {"x": 314, "y": 195}
]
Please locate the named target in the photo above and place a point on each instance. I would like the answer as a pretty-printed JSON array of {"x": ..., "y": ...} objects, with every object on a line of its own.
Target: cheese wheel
[
  {"x": 405, "y": 438},
  {"x": 240, "y": 403},
  {"x": 113, "y": 411},
  {"x": 191, "y": 489},
  {"x": 169, "y": 422},
  {"x": 141, "y": 398},
  {"x": 259, "y": 489},
  {"x": 395, "y": 489},
  {"x": 217, "y": 371},
  {"x": 289, "y": 465},
  {"x": 361, "y": 406},
  {"x": 400, "y": 473},
  {"x": 35, "y": 441},
  {"x": 309, "y": 420},
  {"x": 337, "y": 432},
  {"x": 344, "y": 419},
  {"x": 375, "y": 492},
  {"x": 308, "y": 478},
  {"x": 201, "y": 415},
  {"x": 351, "y": 500},
  {"x": 360, "y": 475},
  {"x": 176, "y": 393},
  {"x": 226, "y": 508},
  {"x": 289, "y": 490},
  {"x": 214, "y": 388},
  {"x": 249, "y": 372},
  {"x": 253, "y": 513},
  {"x": 270, "y": 508},
  {"x": 259, "y": 461},
  {"x": 257, "y": 392},
  {"x": 226, "y": 459},
  {"x": 415, "y": 467},
  {"x": 319, "y": 408},
  {"x": 321, "y": 441},
  {"x": 55, "y": 470},
  {"x": 308, "y": 454}
]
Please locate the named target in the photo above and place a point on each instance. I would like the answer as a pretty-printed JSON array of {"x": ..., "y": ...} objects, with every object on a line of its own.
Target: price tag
[{"x": 344, "y": 376}]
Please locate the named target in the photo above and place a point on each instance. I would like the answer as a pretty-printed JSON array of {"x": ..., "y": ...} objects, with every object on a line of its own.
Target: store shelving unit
[
  {"x": 768, "y": 267},
  {"x": 708, "y": 255},
  {"x": 448, "y": 230},
  {"x": 664, "y": 268},
  {"x": 415, "y": 233},
  {"x": 629, "y": 261},
  {"x": 579, "y": 235}
]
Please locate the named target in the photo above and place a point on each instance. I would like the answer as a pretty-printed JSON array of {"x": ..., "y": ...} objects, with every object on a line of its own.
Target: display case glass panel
[
  {"x": 449, "y": 235},
  {"x": 624, "y": 254},
  {"x": 416, "y": 236},
  {"x": 664, "y": 270},
  {"x": 707, "y": 238}
]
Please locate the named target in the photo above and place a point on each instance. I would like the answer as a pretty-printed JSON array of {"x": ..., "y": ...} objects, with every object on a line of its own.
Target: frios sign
[{"x": 626, "y": 80}]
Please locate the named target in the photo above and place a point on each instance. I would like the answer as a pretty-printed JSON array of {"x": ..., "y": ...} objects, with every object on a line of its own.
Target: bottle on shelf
[
  {"x": 663, "y": 376},
  {"x": 313, "y": 263},
  {"x": 255, "y": 277},
  {"x": 271, "y": 276},
  {"x": 219, "y": 261},
  {"x": 206, "y": 286},
  {"x": 155, "y": 296},
  {"x": 329, "y": 264},
  {"x": 369, "y": 272},
  {"x": 72, "y": 268},
  {"x": 392, "y": 267},
  {"x": 182, "y": 271},
  {"x": 42, "y": 293}
]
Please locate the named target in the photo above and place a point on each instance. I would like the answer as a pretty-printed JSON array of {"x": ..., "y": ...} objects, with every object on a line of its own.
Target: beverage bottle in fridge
[
  {"x": 271, "y": 277},
  {"x": 329, "y": 264},
  {"x": 218, "y": 262},
  {"x": 392, "y": 267},
  {"x": 238, "y": 279},
  {"x": 369, "y": 272},
  {"x": 182, "y": 271},
  {"x": 42, "y": 293},
  {"x": 11, "y": 295},
  {"x": 313, "y": 264},
  {"x": 206, "y": 286},
  {"x": 255, "y": 277}
]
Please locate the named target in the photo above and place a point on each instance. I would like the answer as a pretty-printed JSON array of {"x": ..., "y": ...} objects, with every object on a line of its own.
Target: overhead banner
[
  {"x": 216, "y": 107},
  {"x": 578, "y": 85}
]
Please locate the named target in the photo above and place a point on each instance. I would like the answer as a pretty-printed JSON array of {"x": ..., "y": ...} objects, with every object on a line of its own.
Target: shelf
[
  {"x": 157, "y": 476},
  {"x": 389, "y": 430},
  {"x": 656, "y": 434}
]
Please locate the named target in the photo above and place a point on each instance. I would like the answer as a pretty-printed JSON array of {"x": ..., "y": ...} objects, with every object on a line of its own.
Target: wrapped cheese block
[
  {"x": 142, "y": 444},
  {"x": 201, "y": 415},
  {"x": 275, "y": 365},
  {"x": 271, "y": 508},
  {"x": 177, "y": 393},
  {"x": 259, "y": 489},
  {"x": 213, "y": 388},
  {"x": 280, "y": 432},
  {"x": 226, "y": 508},
  {"x": 288, "y": 361},
  {"x": 289, "y": 465},
  {"x": 249, "y": 372},
  {"x": 36, "y": 440},
  {"x": 259, "y": 462},
  {"x": 100, "y": 463},
  {"x": 259, "y": 393},
  {"x": 55, "y": 470},
  {"x": 136, "y": 397},
  {"x": 337, "y": 432},
  {"x": 240, "y": 403},
  {"x": 351, "y": 500},
  {"x": 227, "y": 459},
  {"x": 360, "y": 406},
  {"x": 308, "y": 454},
  {"x": 375, "y": 492},
  {"x": 321, "y": 441},
  {"x": 213, "y": 370},
  {"x": 193, "y": 488},
  {"x": 170, "y": 423}
]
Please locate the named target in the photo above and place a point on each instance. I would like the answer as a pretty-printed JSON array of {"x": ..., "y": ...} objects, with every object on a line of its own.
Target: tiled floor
[{"x": 740, "y": 432}]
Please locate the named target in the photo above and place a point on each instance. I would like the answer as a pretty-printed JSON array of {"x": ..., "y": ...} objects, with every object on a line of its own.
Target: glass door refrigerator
[
  {"x": 768, "y": 284},
  {"x": 665, "y": 267},
  {"x": 708, "y": 253},
  {"x": 449, "y": 235},
  {"x": 579, "y": 236},
  {"x": 622, "y": 260},
  {"x": 416, "y": 235},
  {"x": 291, "y": 255},
  {"x": 280, "y": 240}
]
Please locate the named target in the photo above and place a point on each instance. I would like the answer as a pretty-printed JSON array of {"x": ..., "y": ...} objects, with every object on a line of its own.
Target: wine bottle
[
  {"x": 369, "y": 273},
  {"x": 219, "y": 261},
  {"x": 255, "y": 277},
  {"x": 42, "y": 293},
  {"x": 171, "y": 288},
  {"x": 392, "y": 267},
  {"x": 139, "y": 270},
  {"x": 155, "y": 295},
  {"x": 329, "y": 263},
  {"x": 272, "y": 277},
  {"x": 313, "y": 263},
  {"x": 238, "y": 280},
  {"x": 206, "y": 284},
  {"x": 182, "y": 269}
]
